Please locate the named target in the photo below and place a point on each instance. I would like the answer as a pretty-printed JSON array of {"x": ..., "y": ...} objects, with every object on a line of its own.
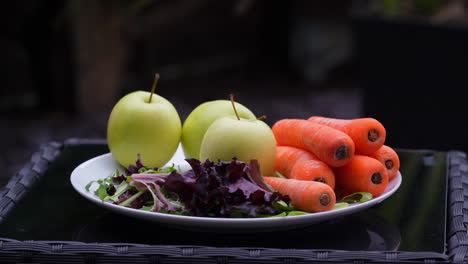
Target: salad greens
[
  {"x": 224, "y": 189},
  {"x": 357, "y": 197}
]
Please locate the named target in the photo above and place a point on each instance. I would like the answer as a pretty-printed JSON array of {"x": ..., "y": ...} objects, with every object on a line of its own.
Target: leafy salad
[{"x": 225, "y": 189}]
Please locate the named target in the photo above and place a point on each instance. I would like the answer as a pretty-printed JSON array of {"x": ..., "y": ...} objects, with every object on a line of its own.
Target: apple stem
[
  {"x": 263, "y": 117},
  {"x": 155, "y": 83},
  {"x": 231, "y": 96}
]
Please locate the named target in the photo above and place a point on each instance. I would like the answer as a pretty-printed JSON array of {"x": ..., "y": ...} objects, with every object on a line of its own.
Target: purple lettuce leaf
[
  {"x": 135, "y": 168},
  {"x": 255, "y": 175},
  {"x": 127, "y": 194},
  {"x": 224, "y": 189},
  {"x": 141, "y": 201},
  {"x": 116, "y": 180}
]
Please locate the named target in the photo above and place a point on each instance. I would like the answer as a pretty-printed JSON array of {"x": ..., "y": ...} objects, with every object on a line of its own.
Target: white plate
[{"x": 102, "y": 166}]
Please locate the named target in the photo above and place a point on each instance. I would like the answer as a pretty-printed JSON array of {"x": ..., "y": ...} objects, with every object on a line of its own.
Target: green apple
[
  {"x": 198, "y": 121},
  {"x": 244, "y": 139},
  {"x": 142, "y": 125}
]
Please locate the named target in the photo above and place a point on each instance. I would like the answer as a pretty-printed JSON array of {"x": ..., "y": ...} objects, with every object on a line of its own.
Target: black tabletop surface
[{"x": 412, "y": 219}]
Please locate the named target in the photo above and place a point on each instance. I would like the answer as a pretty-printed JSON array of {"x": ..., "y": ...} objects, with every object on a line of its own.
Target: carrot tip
[
  {"x": 324, "y": 199},
  {"x": 342, "y": 153},
  {"x": 376, "y": 178},
  {"x": 389, "y": 164},
  {"x": 373, "y": 135}
]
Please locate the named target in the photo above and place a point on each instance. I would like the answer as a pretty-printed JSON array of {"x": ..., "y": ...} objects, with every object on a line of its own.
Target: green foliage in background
[{"x": 408, "y": 7}]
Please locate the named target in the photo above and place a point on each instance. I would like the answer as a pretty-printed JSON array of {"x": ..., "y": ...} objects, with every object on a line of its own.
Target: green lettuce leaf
[
  {"x": 357, "y": 197},
  {"x": 103, "y": 185},
  {"x": 121, "y": 188},
  {"x": 279, "y": 175},
  {"x": 340, "y": 206}
]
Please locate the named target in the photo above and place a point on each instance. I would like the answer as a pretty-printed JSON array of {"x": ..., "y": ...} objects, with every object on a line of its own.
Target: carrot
[
  {"x": 300, "y": 164},
  {"x": 368, "y": 134},
  {"x": 329, "y": 145},
  {"x": 362, "y": 174},
  {"x": 309, "y": 196},
  {"x": 287, "y": 157},
  {"x": 389, "y": 158},
  {"x": 313, "y": 170}
]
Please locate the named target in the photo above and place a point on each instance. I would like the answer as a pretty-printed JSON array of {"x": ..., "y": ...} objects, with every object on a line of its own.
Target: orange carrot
[
  {"x": 313, "y": 170},
  {"x": 300, "y": 164},
  {"x": 330, "y": 145},
  {"x": 362, "y": 174},
  {"x": 309, "y": 196},
  {"x": 287, "y": 157},
  {"x": 368, "y": 134},
  {"x": 389, "y": 158}
]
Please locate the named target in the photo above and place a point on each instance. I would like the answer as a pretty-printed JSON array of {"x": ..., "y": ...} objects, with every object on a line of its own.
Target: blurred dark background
[{"x": 66, "y": 63}]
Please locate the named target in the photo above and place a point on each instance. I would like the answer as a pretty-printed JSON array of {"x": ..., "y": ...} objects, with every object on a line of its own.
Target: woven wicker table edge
[
  {"x": 457, "y": 236},
  {"x": 28, "y": 251},
  {"x": 21, "y": 182},
  {"x": 138, "y": 252}
]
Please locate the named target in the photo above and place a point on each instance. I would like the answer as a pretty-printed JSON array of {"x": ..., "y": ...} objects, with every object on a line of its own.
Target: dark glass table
[{"x": 411, "y": 225}]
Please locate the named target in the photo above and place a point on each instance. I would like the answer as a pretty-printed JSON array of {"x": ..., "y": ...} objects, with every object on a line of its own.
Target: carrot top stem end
[
  {"x": 342, "y": 153},
  {"x": 324, "y": 199},
  {"x": 389, "y": 164},
  {"x": 373, "y": 135},
  {"x": 376, "y": 178}
]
